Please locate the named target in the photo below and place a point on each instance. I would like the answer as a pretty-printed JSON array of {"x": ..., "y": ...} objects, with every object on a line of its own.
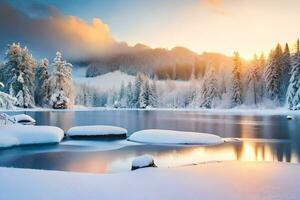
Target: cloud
[
  {"x": 215, "y": 5},
  {"x": 76, "y": 38}
]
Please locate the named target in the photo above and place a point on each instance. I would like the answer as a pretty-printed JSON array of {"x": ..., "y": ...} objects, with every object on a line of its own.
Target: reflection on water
[
  {"x": 165, "y": 156},
  {"x": 266, "y": 138}
]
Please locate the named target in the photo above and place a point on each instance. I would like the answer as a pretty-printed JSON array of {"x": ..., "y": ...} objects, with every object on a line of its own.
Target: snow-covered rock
[
  {"x": 23, "y": 119},
  {"x": 157, "y": 136},
  {"x": 143, "y": 162},
  {"x": 96, "y": 130},
  {"x": 12, "y": 135},
  {"x": 289, "y": 117}
]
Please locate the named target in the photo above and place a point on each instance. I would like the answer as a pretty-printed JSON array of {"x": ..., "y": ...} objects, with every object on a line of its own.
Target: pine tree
[
  {"x": 20, "y": 68},
  {"x": 192, "y": 91},
  {"x": 122, "y": 96},
  {"x": 236, "y": 81},
  {"x": 129, "y": 96},
  {"x": 6, "y": 101},
  {"x": 144, "y": 94},
  {"x": 42, "y": 91},
  {"x": 253, "y": 79},
  {"x": 62, "y": 96},
  {"x": 209, "y": 91},
  {"x": 153, "y": 96},
  {"x": 137, "y": 90},
  {"x": 293, "y": 92},
  {"x": 273, "y": 75},
  {"x": 286, "y": 73}
]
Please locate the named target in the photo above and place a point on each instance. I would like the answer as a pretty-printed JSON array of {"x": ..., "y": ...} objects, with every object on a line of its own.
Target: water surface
[{"x": 264, "y": 138}]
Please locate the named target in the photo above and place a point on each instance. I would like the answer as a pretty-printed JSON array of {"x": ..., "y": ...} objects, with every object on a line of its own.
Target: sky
[{"x": 98, "y": 26}]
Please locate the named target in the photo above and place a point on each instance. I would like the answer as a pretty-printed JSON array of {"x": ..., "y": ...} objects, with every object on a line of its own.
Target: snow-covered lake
[{"x": 263, "y": 138}]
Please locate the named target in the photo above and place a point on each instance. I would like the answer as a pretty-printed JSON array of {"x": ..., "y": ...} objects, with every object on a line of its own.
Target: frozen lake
[{"x": 264, "y": 138}]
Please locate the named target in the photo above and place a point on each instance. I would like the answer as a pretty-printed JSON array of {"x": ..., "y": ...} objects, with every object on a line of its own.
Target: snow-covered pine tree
[
  {"x": 236, "y": 89},
  {"x": 6, "y": 101},
  {"x": 62, "y": 94},
  {"x": 42, "y": 83},
  {"x": 209, "y": 90},
  {"x": 286, "y": 72},
  {"x": 20, "y": 68},
  {"x": 273, "y": 75},
  {"x": 129, "y": 96},
  {"x": 253, "y": 80},
  {"x": 122, "y": 96},
  {"x": 137, "y": 89},
  {"x": 153, "y": 96},
  {"x": 144, "y": 94},
  {"x": 192, "y": 91},
  {"x": 293, "y": 92},
  {"x": 262, "y": 65}
]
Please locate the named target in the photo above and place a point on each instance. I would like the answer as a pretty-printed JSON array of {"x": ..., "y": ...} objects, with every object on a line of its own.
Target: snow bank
[
  {"x": 157, "y": 136},
  {"x": 23, "y": 119},
  {"x": 12, "y": 135},
  {"x": 231, "y": 180},
  {"x": 142, "y": 162},
  {"x": 98, "y": 130}
]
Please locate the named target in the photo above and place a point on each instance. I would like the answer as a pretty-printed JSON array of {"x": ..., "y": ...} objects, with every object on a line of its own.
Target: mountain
[{"x": 177, "y": 63}]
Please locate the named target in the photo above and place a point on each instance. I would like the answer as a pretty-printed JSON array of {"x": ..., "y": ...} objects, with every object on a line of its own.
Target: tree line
[
  {"x": 27, "y": 83},
  {"x": 262, "y": 82}
]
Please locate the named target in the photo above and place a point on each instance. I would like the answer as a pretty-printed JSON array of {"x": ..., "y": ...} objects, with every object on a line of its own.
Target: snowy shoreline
[
  {"x": 233, "y": 111},
  {"x": 233, "y": 180}
]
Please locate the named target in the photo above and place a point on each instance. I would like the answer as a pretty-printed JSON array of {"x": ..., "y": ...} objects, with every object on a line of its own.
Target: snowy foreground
[
  {"x": 158, "y": 136},
  {"x": 212, "y": 181},
  {"x": 13, "y": 135}
]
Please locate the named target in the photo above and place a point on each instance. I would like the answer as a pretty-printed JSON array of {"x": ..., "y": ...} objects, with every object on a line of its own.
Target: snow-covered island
[
  {"x": 97, "y": 131},
  {"x": 157, "y": 136}
]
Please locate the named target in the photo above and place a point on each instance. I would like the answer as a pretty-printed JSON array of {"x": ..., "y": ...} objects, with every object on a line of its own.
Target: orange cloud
[
  {"x": 74, "y": 37},
  {"x": 79, "y": 36}
]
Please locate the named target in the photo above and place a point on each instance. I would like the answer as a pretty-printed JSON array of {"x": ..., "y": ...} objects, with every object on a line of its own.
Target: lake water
[{"x": 263, "y": 138}]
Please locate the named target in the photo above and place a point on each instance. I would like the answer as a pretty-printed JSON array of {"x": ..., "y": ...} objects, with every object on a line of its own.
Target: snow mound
[
  {"x": 12, "y": 135},
  {"x": 97, "y": 130},
  {"x": 289, "y": 117},
  {"x": 157, "y": 136},
  {"x": 23, "y": 119},
  {"x": 143, "y": 161}
]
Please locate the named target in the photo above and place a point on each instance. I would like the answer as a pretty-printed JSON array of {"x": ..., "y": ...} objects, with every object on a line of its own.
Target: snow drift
[
  {"x": 12, "y": 135},
  {"x": 157, "y": 136}
]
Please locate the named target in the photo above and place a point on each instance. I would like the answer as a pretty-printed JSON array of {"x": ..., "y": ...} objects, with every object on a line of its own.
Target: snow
[
  {"x": 289, "y": 117},
  {"x": 96, "y": 130},
  {"x": 8, "y": 141},
  {"x": 211, "y": 181},
  {"x": 158, "y": 136},
  {"x": 23, "y": 118},
  {"x": 143, "y": 161},
  {"x": 108, "y": 81},
  {"x": 12, "y": 135}
]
